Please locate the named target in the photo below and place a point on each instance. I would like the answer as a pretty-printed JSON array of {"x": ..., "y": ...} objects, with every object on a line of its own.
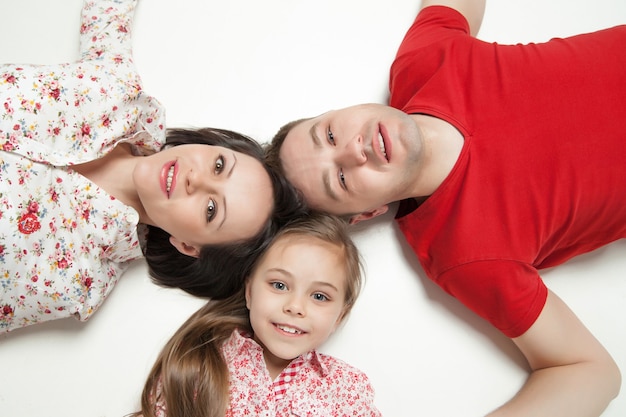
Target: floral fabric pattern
[
  {"x": 64, "y": 242},
  {"x": 314, "y": 384}
]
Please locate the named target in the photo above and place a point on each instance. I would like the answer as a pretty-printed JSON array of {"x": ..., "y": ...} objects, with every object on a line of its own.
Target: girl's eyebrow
[
  {"x": 289, "y": 274},
  {"x": 326, "y": 284}
]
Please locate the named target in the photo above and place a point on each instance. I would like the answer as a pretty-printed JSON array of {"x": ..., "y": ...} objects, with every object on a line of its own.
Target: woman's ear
[{"x": 184, "y": 248}]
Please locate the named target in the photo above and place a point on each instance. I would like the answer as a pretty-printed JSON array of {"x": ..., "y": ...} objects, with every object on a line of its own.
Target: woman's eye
[
  {"x": 331, "y": 137},
  {"x": 279, "y": 286},
  {"x": 219, "y": 164},
  {"x": 320, "y": 297},
  {"x": 211, "y": 210}
]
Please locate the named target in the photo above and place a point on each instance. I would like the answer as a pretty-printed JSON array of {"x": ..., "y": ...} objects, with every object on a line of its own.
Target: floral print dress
[{"x": 64, "y": 242}]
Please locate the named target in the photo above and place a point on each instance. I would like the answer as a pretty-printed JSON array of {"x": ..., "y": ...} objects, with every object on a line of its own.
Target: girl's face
[
  {"x": 203, "y": 194},
  {"x": 296, "y": 297}
]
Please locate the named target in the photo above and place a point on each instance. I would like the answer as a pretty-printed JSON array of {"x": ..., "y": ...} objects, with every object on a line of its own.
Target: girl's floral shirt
[
  {"x": 313, "y": 384},
  {"x": 64, "y": 242}
]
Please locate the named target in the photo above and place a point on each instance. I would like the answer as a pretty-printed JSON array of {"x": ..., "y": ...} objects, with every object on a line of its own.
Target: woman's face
[{"x": 203, "y": 194}]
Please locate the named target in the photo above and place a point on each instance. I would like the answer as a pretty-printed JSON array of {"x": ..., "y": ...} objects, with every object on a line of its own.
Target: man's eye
[
  {"x": 219, "y": 164},
  {"x": 211, "y": 210},
  {"x": 331, "y": 137}
]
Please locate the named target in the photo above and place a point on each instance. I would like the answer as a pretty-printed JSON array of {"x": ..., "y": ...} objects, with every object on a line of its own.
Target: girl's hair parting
[
  {"x": 190, "y": 375},
  {"x": 219, "y": 270}
]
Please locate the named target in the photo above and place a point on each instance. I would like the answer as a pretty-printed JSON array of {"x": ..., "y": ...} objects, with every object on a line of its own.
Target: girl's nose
[{"x": 294, "y": 306}]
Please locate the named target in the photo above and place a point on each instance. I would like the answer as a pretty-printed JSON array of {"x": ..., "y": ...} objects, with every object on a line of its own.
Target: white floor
[{"x": 252, "y": 65}]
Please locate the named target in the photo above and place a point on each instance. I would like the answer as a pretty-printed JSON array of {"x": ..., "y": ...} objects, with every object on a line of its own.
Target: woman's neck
[{"x": 113, "y": 173}]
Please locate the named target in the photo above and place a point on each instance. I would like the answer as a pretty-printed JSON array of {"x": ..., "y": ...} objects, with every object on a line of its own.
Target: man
[{"x": 506, "y": 160}]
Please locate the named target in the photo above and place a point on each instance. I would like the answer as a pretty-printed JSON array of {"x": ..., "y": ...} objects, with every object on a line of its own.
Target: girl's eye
[
  {"x": 319, "y": 297},
  {"x": 342, "y": 179},
  {"x": 219, "y": 164},
  {"x": 331, "y": 137},
  {"x": 279, "y": 286},
  {"x": 211, "y": 210}
]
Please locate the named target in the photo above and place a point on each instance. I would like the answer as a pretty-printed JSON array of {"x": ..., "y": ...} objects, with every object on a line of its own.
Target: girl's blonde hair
[{"x": 190, "y": 375}]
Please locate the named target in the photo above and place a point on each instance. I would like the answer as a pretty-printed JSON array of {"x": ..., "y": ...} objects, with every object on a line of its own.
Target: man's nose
[{"x": 353, "y": 153}]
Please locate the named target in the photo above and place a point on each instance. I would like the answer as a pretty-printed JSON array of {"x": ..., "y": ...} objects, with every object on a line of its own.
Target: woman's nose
[{"x": 200, "y": 181}]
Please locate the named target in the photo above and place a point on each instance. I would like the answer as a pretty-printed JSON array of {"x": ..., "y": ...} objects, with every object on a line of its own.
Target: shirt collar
[{"x": 242, "y": 341}]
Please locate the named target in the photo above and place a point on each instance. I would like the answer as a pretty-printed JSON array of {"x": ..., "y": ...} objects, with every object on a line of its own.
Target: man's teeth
[
  {"x": 381, "y": 145},
  {"x": 170, "y": 176},
  {"x": 289, "y": 329}
]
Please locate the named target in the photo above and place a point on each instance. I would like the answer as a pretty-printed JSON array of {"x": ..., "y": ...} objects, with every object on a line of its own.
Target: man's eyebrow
[
  {"x": 325, "y": 175},
  {"x": 329, "y": 190},
  {"x": 316, "y": 141}
]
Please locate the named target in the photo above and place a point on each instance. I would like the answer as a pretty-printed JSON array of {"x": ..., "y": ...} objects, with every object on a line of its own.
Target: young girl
[
  {"x": 254, "y": 353},
  {"x": 84, "y": 160}
]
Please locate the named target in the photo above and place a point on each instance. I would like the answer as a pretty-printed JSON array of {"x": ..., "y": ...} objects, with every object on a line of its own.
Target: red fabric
[
  {"x": 542, "y": 175},
  {"x": 286, "y": 377}
]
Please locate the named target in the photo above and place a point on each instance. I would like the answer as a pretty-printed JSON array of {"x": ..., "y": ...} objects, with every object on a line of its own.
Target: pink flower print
[
  {"x": 106, "y": 122},
  {"x": 62, "y": 263},
  {"x": 28, "y": 223},
  {"x": 84, "y": 133},
  {"x": 54, "y": 196},
  {"x": 33, "y": 207},
  {"x": 8, "y": 109},
  {"x": 85, "y": 129},
  {"x": 6, "y": 311},
  {"x": 122, "y": 29},
  {"x": 34, "y": 278},
  {"x": 10, "y": 78},
  {"x": 16, "y": 127},
  {"x": 87, "y": 282}
]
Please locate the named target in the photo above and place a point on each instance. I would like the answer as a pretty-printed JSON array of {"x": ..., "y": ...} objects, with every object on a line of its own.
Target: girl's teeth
[{"x": 289, "y": 330}]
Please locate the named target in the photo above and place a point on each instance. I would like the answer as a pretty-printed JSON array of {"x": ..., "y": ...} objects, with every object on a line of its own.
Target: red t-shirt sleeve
[{"x": 509, "y": 294}]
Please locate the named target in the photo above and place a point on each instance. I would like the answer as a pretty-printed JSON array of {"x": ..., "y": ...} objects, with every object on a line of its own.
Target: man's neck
[{"x": 442, "y": 145}]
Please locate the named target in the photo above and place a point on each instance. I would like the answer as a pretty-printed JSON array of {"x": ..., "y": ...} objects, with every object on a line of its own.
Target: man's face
[{"x": 354, "y": 160}]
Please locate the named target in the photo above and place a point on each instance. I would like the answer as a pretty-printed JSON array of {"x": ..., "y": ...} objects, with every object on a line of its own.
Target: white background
[{"x": 251, "y": 66}]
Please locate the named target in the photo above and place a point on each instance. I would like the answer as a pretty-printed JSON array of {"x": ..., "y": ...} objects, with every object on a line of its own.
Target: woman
[{"x": 83, "y": 163}]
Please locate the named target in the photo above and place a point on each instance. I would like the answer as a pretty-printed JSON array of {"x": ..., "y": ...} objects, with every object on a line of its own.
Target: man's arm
[
  {"x": 473, "y": 10},
  {"x": 572, "y": 374}
]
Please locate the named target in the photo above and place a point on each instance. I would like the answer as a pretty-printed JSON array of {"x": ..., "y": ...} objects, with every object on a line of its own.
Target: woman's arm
[{"x": 572, "y": 374}]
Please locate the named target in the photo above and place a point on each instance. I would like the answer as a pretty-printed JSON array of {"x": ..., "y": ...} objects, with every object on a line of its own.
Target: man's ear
[
  {"x": 184, "y": 248},
  {"x": 366, "y": 215}
]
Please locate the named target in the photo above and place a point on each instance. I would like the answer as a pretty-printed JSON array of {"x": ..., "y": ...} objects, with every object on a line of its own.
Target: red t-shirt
[{"x": 542, "y": 174}]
